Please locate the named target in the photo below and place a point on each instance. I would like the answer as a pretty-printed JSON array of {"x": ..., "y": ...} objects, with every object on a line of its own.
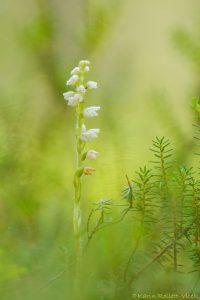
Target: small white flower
[
  {"x": 92, "y": 154},
  {"x": 88, "y": 135},
  {"x": 75, "y": 71},
  {"x": 68, "y": 95},
  {"x": 71, "y": 101},
  {"x": 81, "y": 89},
  {"x": 91, "y": 111},
  {"x": 74, "y": 99},
  {"x": 92, "y": 85},
  {"x": 78, "y": 97},
  {"x": 73, "y": 80}
]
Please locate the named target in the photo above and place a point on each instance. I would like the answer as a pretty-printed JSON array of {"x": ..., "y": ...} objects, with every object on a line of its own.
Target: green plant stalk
[{"x": 77, "y": 215}]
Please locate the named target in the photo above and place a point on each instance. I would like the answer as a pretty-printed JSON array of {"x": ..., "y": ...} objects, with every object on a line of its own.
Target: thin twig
[
  {"x": 56, "y": 277},
  {"x": 130, "y": 258}
]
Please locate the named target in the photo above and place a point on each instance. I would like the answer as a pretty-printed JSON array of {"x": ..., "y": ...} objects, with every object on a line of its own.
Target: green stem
[{"x": 77, "y": 218}]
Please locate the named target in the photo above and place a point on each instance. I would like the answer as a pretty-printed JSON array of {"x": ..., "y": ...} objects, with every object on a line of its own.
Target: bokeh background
[{"x": 145, "y": 56}]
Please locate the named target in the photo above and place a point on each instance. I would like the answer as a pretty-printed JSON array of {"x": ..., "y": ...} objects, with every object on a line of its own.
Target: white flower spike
[
  {"x": 76, "y": 98},
  {"x": 92, "y": 155},
  {"x": 91, "y": 111},
  {"x": 88, "y": 135},
  {"x": 92, "y": 85}
]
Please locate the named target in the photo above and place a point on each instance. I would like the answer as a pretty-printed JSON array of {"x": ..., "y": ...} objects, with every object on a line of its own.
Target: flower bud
[
  {"x": 84, "y": 63},
  {"x": 87, "y": 69},
  {"x": 88, "y": 170}
]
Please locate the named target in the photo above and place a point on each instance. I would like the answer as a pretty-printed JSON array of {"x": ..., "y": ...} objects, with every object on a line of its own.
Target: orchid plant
[{"x": 76, "y": 99}]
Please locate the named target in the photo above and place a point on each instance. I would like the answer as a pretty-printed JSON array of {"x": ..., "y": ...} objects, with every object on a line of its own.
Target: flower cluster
[
  {"x": 77, "y": 80},
  {"x": 76, "y": 99}
]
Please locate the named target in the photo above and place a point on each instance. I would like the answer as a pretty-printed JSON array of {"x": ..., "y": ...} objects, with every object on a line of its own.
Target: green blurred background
[{"x": 145, "y": 56}]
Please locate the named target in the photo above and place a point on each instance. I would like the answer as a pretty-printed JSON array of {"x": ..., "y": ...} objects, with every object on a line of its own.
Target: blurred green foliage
[{"x": 133, "y": 60}]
